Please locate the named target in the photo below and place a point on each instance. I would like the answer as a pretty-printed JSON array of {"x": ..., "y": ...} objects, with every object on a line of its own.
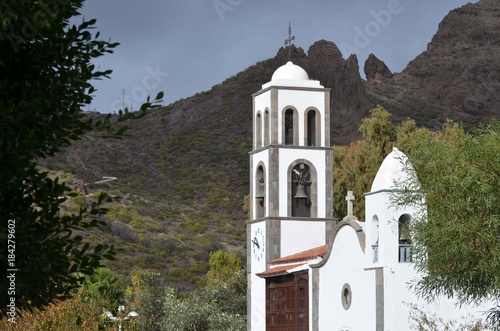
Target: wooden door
[{"x": 287, "y": 303}]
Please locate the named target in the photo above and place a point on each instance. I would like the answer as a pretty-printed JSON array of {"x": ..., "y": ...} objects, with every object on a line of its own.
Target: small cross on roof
[{"x": 350, "y": 206}]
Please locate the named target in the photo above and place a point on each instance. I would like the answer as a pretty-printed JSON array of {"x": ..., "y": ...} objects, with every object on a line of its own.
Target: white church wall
[
  {"x": 346, "y": 266},
  {"x": 289, "y": 88},
  {"x": 260, "y": 158},
  {"x": 400, "y": 297},
  {"x": 258, "y": 302},
  {"x": 375, "y": 208},
  {"x": 396, "y": 294},
  {"x": 301, "y": 100},
  {"x": 398, "y": 277},
  {"x": 257, "y": 285},
  {"x": 378, "y": 206},
  {"x": 261, "y": 103},
  {"x": 300, "y": 236}
]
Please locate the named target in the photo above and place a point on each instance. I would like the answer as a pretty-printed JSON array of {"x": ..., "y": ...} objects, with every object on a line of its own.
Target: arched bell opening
[
  {"x": 260, "y": 192},
  {"x": 302, "y": 191},
  {"x": 267, "y": 125},
  {"x": 313, "y": 128},
  {"x": 290, "y": 128},
  {"x": 404, "y": 238},
  {"x": 258, "y": 131}
]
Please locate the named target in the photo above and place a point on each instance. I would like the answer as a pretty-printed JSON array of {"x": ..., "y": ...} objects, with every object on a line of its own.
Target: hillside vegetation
[{"x": 182, "y": 170}]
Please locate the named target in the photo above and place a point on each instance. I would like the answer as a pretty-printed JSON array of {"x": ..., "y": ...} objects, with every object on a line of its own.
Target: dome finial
[{"x": 288, "y": 41}]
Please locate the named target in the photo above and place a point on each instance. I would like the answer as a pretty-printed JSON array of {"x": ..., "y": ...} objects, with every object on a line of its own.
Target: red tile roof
[
  {"x": 302, "y": 256},
  {"x": 281, "y": 270}
]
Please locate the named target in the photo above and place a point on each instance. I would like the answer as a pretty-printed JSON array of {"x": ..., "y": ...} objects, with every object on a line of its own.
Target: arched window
[
  {"x": 289, "y": 127},
  {"x": 375, "y": 229},
  {"x": 267, "y": 133},
  {"x": 404, "y": 236},
  {"x": 374, "y": 238},
  {"x": 260, "y": 192},
  {"x": 301, "y": 190},
  {"x": 404, "y": 229},
  {"x": 258, "y": 131},
  {"x": 313, "y": 137}
]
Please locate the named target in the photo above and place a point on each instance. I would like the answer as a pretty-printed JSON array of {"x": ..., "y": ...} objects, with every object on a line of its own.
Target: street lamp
[{"x": 120, "y": 319}]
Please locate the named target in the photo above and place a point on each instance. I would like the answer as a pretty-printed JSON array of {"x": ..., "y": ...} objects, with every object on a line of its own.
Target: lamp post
[{"x": 120, "y": 319}]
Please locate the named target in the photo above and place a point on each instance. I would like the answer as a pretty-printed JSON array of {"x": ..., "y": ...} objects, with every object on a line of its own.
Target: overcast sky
[{"x": 186, "y": 46}]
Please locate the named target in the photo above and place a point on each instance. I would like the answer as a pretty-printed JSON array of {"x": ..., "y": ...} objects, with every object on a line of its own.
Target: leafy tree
[
  {"x": 226, "y": 284},
  {"x": 45, "y": 73},
  {"x": 457, "y": 192},
  {"x": 218, "y": 307},
  {"x": 102, "y": 285},
  {"x": 222, "y": 266},
  {"x": 146, "y": 296},
  {"x": 229, "y": 299},
  {"x": 457, "y": 232},
  {"x": 356, "y": 166},
  {"x": 71, "y": 314}
]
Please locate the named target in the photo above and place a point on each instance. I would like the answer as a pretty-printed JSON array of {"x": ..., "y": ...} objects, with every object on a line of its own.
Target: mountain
[
  {"x": 182, "y": 170},
  {"x": 457, "y": 77}
]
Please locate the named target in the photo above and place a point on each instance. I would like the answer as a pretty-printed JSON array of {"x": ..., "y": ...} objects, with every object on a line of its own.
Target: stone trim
[
  {"x": 314, "y": 303},
  {"x": 291, "y": 147},
  {"x": 295, "y": 88},
  {"x": 298, "y": 219}
]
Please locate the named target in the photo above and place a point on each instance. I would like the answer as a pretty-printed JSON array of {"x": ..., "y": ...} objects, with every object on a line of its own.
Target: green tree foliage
[
  {"x": 45, "y": 73},
  {"x": 457, "y": 231},
  {"x": 82, "y": 312},
  {"x": 71, "y": 314},
  {"x": 356, "y": 166},
  {"x": 456, "y": 189},
  {"x": 146, "y": 296},
  {"x": 45, "y": 69},
  {"x": 223, "y": 265},
  {"x": 102, "y": 285},
  {"x": 219, "y": 306}
]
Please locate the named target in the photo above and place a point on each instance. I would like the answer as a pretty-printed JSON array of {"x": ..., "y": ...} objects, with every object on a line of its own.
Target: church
[{"x": 307, "y": 270}]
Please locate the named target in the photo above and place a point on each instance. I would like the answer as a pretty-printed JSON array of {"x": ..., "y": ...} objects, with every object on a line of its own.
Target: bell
[
  {"x": 301, "y": 192},
  {"x": 260, "y": 191},
  {"x": 404, "y": 231}
]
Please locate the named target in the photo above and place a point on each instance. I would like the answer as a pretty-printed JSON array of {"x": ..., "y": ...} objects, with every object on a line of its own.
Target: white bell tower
[{"x": 291, "y": 177}]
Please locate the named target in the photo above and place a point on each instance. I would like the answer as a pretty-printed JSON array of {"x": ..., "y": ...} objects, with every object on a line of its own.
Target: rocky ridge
[{"x": 185, "y": 166}]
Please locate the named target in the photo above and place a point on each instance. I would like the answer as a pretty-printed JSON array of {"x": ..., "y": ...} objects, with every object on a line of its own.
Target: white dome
[
  {"x": 290, "y": 71},
  {"x": 395, "y": 169}
]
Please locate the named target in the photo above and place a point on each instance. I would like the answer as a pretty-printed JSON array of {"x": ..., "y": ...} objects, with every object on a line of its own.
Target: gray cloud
[{"x": 184, "y": 47}]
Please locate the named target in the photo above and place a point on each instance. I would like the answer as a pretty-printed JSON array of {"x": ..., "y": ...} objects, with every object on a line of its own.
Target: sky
[{"x": 187, "y": 46}]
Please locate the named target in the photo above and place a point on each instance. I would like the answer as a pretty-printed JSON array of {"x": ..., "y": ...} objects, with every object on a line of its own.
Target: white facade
[
  {"x": 356, "y": 273},
  {"x": 344, "y": 270},
  {"x": 291, "y": 144}
]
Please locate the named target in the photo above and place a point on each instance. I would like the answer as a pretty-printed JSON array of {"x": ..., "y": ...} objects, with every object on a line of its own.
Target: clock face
[{"x": 258, "y": 244}]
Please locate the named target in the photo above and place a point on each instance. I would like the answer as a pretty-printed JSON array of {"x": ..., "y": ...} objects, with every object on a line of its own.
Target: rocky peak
[
  {"x": 325, "y": 62},
  {"x": 348, "y": 104},
  {"x": 297, "y": 55},
  {"x": 472, "y": 24},
  {"x": 459, "y": 72},
  {"x": 375, "y": 70}
]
